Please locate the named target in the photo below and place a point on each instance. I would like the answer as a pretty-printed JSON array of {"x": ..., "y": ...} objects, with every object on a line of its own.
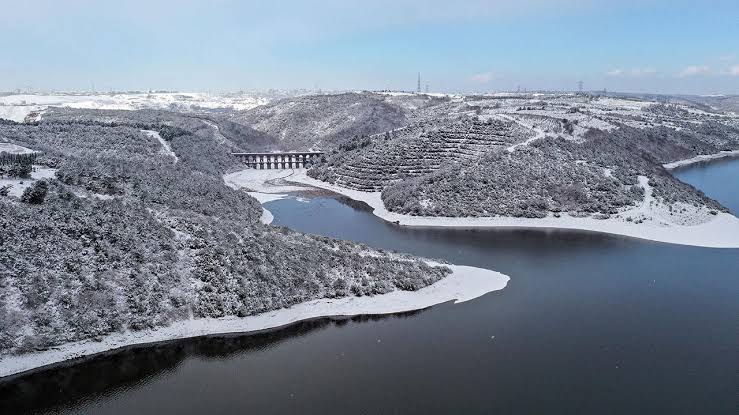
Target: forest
[{"x": 122, "y": 238}]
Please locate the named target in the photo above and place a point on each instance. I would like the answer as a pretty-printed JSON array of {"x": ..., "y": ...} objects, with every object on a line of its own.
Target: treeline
[{"x": 10, "y": 158}]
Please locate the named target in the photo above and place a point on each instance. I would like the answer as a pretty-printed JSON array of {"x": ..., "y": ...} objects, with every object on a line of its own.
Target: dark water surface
[
  {"x": 589, "y": 323},
  {"x": 718, "y": 179}
]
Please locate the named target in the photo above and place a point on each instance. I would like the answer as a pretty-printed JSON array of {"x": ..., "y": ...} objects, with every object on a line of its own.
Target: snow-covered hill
[
  {"x": 19, "y": 107},
  {"x": 533, "y": 155},
  {"x": 323, "y": 121}
]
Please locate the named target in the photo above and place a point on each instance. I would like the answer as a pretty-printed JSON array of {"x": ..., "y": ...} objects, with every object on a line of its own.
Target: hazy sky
[{"x": 626, "y": 45}]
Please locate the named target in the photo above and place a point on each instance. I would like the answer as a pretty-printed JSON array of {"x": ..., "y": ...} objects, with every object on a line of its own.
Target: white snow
[
  {"x": 17, "y": 107},
  {"x": 84, "y": 194},
  {"x": 19, "y": 185},
  {"x": 397, "y": 93},
  {"x": 266, "y": 217},
  {"x": 700, "y": 158},
  {"x": 539, "y": 134},
  {"x": 263, "y": 180},
  {"x": 621, "y": 103},
  {"x": 267, "y": 197},
  {"x": 465, "y": 283},
  {"x": 263, "y": 198},
  {"x": 166, "y": 149},
  {"x": 18, "y": 113},
  {"x": 14, "y": 149}
]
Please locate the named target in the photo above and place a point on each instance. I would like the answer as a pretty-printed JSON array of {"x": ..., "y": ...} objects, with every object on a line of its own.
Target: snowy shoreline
[
  {"x": 465, "y": 283},
  {"x": 719, "y": 231},
  {"x": 700, "y": 158}
]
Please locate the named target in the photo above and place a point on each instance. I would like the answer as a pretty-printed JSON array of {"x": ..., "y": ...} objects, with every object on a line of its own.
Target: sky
[{"x": 659, "y": 46}]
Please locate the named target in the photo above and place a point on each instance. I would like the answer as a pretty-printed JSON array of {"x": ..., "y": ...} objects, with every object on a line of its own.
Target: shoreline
[
  {"x": 701, "y": 158},
  {"x": 720, "y": 231},
  {"x": 463, "y": 284},
  {"x": 263, "y": 198}
]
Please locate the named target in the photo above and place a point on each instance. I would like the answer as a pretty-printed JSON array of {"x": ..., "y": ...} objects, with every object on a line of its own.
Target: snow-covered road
[{"x": 166, "y": 149}]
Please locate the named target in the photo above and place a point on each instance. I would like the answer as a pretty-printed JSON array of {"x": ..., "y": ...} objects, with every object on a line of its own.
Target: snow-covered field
[
  {"x": 263, "y": 180},
  {"x": 18, "y": 107},
  {"x": 14, "y": 149},
  {"x": 20, "y": 185},
  {"x": 657, "y": 223},
  {"x": 465, "y": 283},
  {"x": 18, "y": 113}
]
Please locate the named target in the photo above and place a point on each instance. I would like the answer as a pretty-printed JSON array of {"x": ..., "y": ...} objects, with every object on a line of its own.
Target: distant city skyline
[{"x": 657, "y": 46}]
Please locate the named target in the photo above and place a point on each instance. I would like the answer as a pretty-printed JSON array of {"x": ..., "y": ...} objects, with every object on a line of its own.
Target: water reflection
[{"x": 78, "y": 383}]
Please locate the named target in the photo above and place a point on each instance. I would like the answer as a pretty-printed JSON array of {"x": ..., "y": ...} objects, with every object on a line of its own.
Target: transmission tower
[
  {"x": 579, "y": 86},
  {"x": 418, "y": 87}
]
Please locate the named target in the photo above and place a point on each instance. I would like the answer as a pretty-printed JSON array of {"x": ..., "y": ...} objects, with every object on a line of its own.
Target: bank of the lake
[
  {"x": 716, "y": 178},
  {"x": 463, "y": 284},
  {"x": 701, "y": 159},
  {"x": 713, "y": 231}
]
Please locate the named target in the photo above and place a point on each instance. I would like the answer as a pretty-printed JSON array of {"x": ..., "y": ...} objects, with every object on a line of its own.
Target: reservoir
[{"x": 589, "y": 323}]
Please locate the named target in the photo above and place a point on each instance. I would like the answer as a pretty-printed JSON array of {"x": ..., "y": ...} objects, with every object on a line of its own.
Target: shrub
[
  {"x": 36, "y": 193},
  {"x": 20, "y": 170}
]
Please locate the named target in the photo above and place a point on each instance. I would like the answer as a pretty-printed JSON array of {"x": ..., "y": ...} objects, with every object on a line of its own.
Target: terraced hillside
[
  {"x": 418, "y": 150},
  {"x": 534, "y": 156}
]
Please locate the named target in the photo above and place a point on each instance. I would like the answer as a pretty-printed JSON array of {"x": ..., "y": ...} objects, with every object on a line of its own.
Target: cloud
[
  {"x": 482, "y": 78},
  {"x": 694, "y": 71},
  {"x": 733, "y": 71},
  {"x": 635, "y": 72},
  {"x": 643, "y": 71}
]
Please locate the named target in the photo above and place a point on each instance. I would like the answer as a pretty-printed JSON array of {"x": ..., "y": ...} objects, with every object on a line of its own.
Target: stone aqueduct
[{"x": 280, "y": 160}]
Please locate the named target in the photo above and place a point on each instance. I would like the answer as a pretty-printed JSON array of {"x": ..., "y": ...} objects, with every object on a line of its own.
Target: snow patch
[
  {"x": 266, "y": 217},
  {"x": 700, "y": 158},
  {"x": 14, "y": 149},
  {"x": 263, "y": 180},
  {"x": 539, "y": 134},
  {"x": 18, "y": 186},
  {"x": 166, "y": 149},
  {"x": 19, "y": 113},
  {"x": 266, "y": 197}
]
